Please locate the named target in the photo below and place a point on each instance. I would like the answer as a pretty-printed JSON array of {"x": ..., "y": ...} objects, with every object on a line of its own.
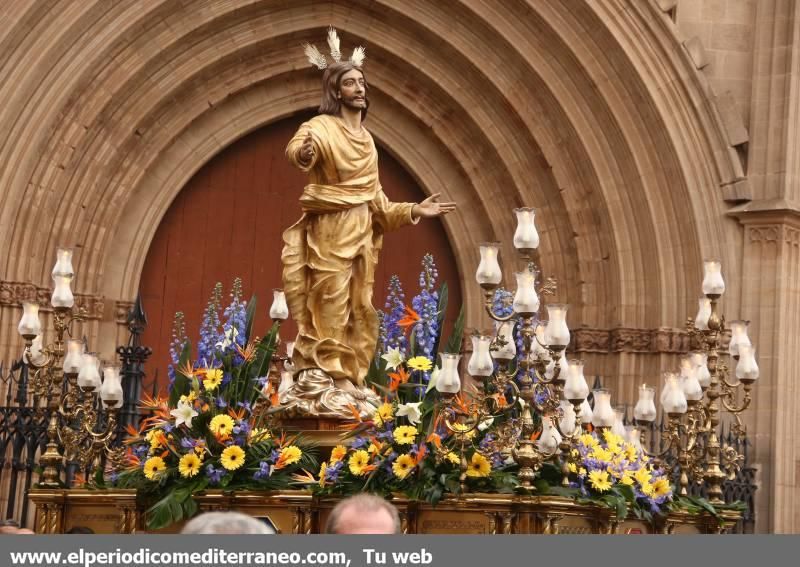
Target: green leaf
[
  {"x": 251, "y": 316},
  {"x": 454, "y": 343}
]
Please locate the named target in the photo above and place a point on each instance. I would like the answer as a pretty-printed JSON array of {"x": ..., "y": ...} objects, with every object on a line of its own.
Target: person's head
[
  {"x": 363, "y": 514},
  {"x": 80, "y": 530},
  {"x": 226, "y": 523},
  {"x": 344, "y": 84}
]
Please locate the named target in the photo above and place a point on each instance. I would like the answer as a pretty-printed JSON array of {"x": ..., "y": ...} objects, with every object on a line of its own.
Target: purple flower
[
  {"x": 264, "y": 471},
  {"x": 332, "y": 472},
  {"x": 214, "y": 475},
  {"x": 188, "y": 443},
  {"x": 393, "y": 335},
  {"x": 426, "y": 304},
  {"x": 220, "y": 401},
  {"x": 359, "y": 442}
]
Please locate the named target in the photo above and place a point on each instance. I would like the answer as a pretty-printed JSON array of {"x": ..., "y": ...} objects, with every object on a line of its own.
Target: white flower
[
  {"x": 393, "y": 358},
  {"x": 485, "y": 424},
  {"x": 230, "y": 337},
  {"x": 183, "y": 414},
  {"x": 411, "y": 411},
  {"x": 434, "y": 377}
]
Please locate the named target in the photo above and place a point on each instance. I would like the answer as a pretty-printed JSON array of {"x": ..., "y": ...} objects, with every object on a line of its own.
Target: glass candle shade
[
  {"x": 550, "y": 437},
  {"x": 739, "y": 337},
  {"x": 619, "y": 424},
  {"x": 603, "y": 413},
  {"x": 538, "y": 343},
  {"x": 480, "y": 362},
  {"x": 278, "y": 311},
  {"x": 448, "y": 381},
  {"x": 689, "y": 382},
  {"x": 526, "y": 302},
  {"x": 63, "y": 265},
  {"x": 703, "y": 313},
  {"x": 675, "y": 400},
  {"x": 526, "y": 237},
  {"x": 89, "y": 374},
  {"x": 73, "y": 360},
  {"x": 701, "y": 368},
  {"x": 645, "y": 409},
  {"x": 488, "y": 272},
  {"x": 634, "y": 437},
  {"x": 557, "y": 332},
  {"x": 575, "y": 386},
  {"x": 62, "y": 293},
  {"x": 746, "y": 367},
  {"x": 713, "y": 284},
  {"x": 35, "y": 356},
  {"x": 111, "y": 390},
  {"x": 586, "y": 412},
  {"x": 29, "y": 324},
  {"x": 563, "y": 365},
  {"x": 567, "y": 421}
]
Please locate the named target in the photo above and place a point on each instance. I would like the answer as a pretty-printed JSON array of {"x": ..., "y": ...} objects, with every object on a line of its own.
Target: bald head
[{"x": 363, "y": 514}]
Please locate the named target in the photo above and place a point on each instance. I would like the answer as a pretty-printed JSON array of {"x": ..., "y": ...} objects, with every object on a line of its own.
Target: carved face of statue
[{"x": 353, "y": 90}]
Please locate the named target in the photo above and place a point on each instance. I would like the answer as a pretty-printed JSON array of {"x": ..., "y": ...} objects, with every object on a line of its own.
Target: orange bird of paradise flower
[
  {"x": 397, "y": 378},
  {"x": 410, "y": 318},
  {"x": 249, "y": 351},
  {"x": 305, "y": 478}
]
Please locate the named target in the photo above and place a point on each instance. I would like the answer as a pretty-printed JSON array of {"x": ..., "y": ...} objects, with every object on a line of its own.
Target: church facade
[{"x": 648, "y": 135}]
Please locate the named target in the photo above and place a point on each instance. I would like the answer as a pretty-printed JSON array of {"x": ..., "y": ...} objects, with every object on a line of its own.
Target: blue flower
[
  {"x": 359, "y": 442},
  {"x": 214, "y": 475},
  {"x": 264, "y": 471}
]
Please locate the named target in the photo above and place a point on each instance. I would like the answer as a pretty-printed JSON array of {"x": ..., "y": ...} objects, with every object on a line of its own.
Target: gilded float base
[{"x": 298, "y": 512}]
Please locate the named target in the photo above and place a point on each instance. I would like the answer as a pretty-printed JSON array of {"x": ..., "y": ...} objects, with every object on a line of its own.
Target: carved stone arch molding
[{"x": 589, "y": 111}]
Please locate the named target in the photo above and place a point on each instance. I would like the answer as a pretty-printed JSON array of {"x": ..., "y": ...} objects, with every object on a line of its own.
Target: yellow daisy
[
  {"x": 338, "y": 453},
  {"x": 661, "y": 487},
  {"x": 647, "y": 489},
  {"x": 419, "y": 363},
  {"x": 453, "y": 458},
  {"x": 403, "y": 466},
  {"x": 386, "y": 412},
  {"x": 572, "y": 467},
  {"x": 221, "y": 425},
  {"x": 588, "y": 440},
  {"x": 627, "y": 478},
  {"x": 600, "y": 480},
  {"x": 581, "y": 472},
  {"x": 642, "y": 476},
  {"x": 479, "y": 466},
  {"x": 405, "y": 434},
  {"x": 358, "y": 463},
  {"x": 601, "y": 454},
  {"x": 153, "y": 468},
  {"x": 189, "y": 465},
  {"x": 232, "y": 457},
  {"x": 213, "y": 378},
  {"x": 629, "y": 452}
]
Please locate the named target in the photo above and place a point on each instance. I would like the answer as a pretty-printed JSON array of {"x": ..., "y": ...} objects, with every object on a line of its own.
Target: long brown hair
[{"x": 331, "y": 83}]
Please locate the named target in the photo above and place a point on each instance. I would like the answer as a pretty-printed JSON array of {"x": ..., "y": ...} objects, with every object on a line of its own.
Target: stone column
[{"x": 771, "y": 261}]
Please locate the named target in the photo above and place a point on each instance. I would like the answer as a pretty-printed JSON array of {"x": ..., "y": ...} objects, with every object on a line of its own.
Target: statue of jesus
[{"x": 330, "y": 254}]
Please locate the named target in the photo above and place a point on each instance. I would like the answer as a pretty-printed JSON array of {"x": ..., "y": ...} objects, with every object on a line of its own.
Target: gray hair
[
  {"x": 226, "y": 523},
  {"x": 363, "y": 502}
]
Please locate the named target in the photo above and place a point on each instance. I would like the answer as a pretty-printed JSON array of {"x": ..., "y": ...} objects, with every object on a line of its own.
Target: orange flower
[
  {"x": 249, "y": 351},
  {"x": 397, "y": 378},
  {"x": 435, "y": 439},
  {"x": 410, "y": 319}
]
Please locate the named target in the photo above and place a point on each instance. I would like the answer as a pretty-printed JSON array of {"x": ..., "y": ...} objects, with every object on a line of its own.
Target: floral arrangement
[
  {"x": 212, "y": 430},
  {"x": 406, "y": 447},
  {"x": 607, "y": 468}
]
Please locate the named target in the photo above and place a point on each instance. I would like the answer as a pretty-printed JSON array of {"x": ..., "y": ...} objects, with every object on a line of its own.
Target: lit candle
[
  {"x": 747, "y": 368},
  {"x": 645, "y": 409},
  {"x": 557, "y": 332},
  {"x": 73, "y": 360},
  {"x": 506, "y": 333},
  {"x": 550, "y": 437},
  {"x": 89, "y": 374},
  {"x": 675, "y": 400},
  {"x": 703, "y": 313},
  {"x": 689, "y": 382},
  {"x": 603, "y": 413},
  {"x": 489, "y": 273},
  {"x": 738, "y": 337}
]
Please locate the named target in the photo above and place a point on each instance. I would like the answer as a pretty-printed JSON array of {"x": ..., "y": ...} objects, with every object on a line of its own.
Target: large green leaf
[
  {"x": 251, "y": 315},
  {"x": 454, "y": 343}
]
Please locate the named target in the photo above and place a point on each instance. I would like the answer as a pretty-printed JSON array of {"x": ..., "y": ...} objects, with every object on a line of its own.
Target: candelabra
[
  {"x": 702, "y": 386},
  {"x": 69, "y": 391}
]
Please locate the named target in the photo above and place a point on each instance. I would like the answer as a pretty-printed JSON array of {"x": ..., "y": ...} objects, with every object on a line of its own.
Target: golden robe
[{"x": 330, "y": 254}]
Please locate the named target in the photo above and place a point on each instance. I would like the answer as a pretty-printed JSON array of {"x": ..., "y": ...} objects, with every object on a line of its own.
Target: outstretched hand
[
  {"x": 431, "y": 207},
  {"x": 306, "y": 153}
]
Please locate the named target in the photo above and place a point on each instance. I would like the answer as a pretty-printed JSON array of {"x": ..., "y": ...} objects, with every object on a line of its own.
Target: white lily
[
  {"x": 485, "y": 424},
  {"x": 434, "y": 377},
  {"x": 410, "y": 411},
  {"x": 230, "y": 337},
  {"x": 393, "y": 358},
  {"x": 183, "y": 414}
]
